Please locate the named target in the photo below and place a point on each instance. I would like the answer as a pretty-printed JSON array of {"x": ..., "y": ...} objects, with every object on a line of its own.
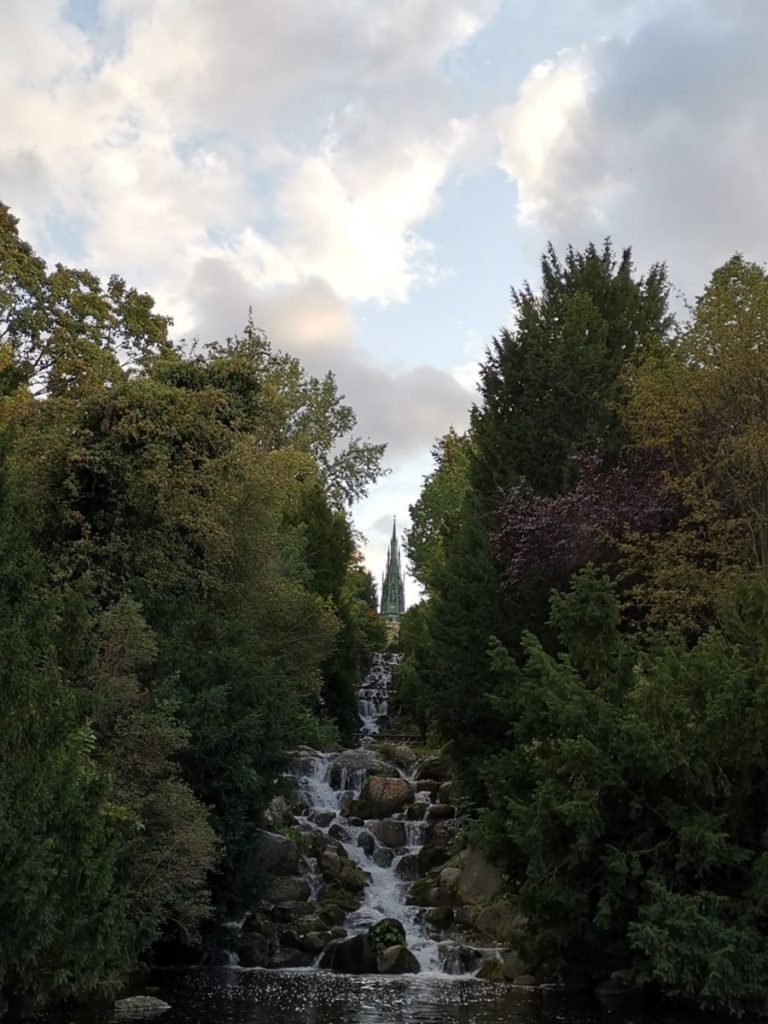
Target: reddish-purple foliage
[{"x": 544, "y": 540}]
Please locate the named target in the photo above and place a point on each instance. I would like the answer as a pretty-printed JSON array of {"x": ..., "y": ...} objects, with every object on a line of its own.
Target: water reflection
[{"x": 307, "y": 997}]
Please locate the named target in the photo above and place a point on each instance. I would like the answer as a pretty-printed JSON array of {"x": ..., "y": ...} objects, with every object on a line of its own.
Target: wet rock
[
  {"x": 273, "y": 853},
  {"x": 253, "y": 950},
  {"x": 335, "y": 893},
  {"x": 456, "y": 958},
  {"x": 440, "y": 917},
  {"x": 397, "y": 960},
  {"x": 439, "y": 811},
  {"x": 339, "y": 832},
  {"x": 140, "y": 1008},
  {"x": 423, "y": 893},
  {"x": 278, "y": 813},
  {"x": 433, "y": 767},
  {"x": 513, "y": 965},
  {"x": 356, "y": 822},
  {"x": 383, "y": 856},
  {"x": 407, "y": 868},
  {"x": 366, "y": 842},
  {"x": 446, "y": 792},
  {"x": 524, "y": 981},
  {"x": 416, "y": 811},
  {"x": 389, "y": 832},
  {"x": 337, "y": 932},
  {"x": 289, "y": 888},
  {"x": 330, "y": 864},
  {"x": 322, "y": 818},
  {"x": 332, "y": 914},
  {"x": 466, "y": 916},
  {"x": 288, "y": 910},
  {"x": 501, "y": 921},
  {"x": 381, "y": 797},
  {"x": 617, "y": 986},
  {"x": 427, "y": 788},
  {"x": 315, "y": 942},
  {"x": 354, "y": 955},
  {"x": 439, "y": 844},
  {"x": 352, "y": 877},
  {"x": 480, "y": 880},
  {"x": 353, "y": 766},
  {"x": 399, "y": 753},
  {"x": 291, "y": 958},
  {"x": 449, "y": 878},
  {"x": 490, "y": 970}
]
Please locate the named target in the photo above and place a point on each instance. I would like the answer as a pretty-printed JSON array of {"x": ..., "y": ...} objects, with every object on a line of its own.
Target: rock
[
  {"x": 617, "y": 986},
  {"x": 416, "y": 811},
  {"x": 385, "y": 933},
  {"x": 423, "y": 893},
  {"x": 407, "y": 868},
  {"x": 439, "y": 811},
  {"x": 513, "y": 965},
  {"x": 389, "y": 832},
  {"x": 439, "y": 844},
  {"x": 332, "y": 914},
  {"x": 339, "y": 832},
  {"x": 337, "y": 932},
  {"x": 397, "y": 960},
  {"x": 352, "y": 877},
  {"x": 490, "y": 970},
  {"x": 278, "y": 813},
  {"x": 382, "y": 856},
  {"x": 381, "y": 797},
  {"x": 446, "y": 792},
  {"x": 140, "y": 1008},
  {"x": 440, "y": 917},
  {"x": 456, "y": 958},
  {"x": 290, "y": 888},
  {"x": 355, "y": 822},
  {"x": 322, "y": 818},
  {"x": 432, "y": 767},
  {"x": 501, "y": 921},
  {"x": 427, "y": 788},
  {"x": 366, "y": 842},
  {"x": 449, "y": 878},
  {"x": 253, "y": 950},
  {"x": 334, "y": 892},
  {"x": 288, "y": 910},
  {"x": 466, "y": 916},
  {"x": 315, "y": 942},
  {"x": 354, "y": 955},
  {"x": 524, "y": 981},
  {"x": 330, "y": 864},
  {"x": 399, "y": 753},
  {"x": 291, "y": 958},
  {"x": 351, "y": 767},
  {"x": 273, "y": 853},
  {"x": 480, "y": 880}
]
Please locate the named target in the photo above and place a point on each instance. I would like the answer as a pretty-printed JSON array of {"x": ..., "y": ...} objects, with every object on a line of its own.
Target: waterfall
[{"x": 326, "y": 788}]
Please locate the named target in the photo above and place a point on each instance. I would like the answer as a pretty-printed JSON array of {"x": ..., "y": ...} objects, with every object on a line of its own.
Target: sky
[{"x": 372, "y": 177}]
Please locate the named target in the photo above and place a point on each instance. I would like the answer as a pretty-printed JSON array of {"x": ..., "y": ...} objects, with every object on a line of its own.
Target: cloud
[{"x": 658, "y": 139}]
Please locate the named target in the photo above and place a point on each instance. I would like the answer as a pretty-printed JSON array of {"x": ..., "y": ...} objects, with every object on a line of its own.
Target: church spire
[{"x": 392, "y": 588}]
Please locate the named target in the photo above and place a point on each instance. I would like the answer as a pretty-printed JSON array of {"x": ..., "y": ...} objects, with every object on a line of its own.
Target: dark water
[{"x": 227, "y": 996}]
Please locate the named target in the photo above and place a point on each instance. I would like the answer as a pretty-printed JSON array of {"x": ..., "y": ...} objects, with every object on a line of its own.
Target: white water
[{"x": 385, "y": 894}]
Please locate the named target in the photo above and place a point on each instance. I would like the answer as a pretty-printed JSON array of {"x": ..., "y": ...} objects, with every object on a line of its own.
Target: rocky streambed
[{"x": 369, "y": 870}]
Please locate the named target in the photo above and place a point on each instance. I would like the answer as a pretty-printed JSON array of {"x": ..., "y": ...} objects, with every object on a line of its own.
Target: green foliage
[
  {"x": 631, "y": 801},
  {"x": 181, "y": 599}
]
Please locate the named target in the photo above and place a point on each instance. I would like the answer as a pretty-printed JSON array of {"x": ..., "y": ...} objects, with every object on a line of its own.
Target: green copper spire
[{"x": 392, "y": 589}]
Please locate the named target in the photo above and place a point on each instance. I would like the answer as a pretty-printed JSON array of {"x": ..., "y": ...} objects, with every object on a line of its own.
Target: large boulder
[
  {"x": 381, "y": 796},
  {"x": 439, "y": 844},
  {"x": 501, "y": 921},
  {"x": 140, "y": 1008},
  {"x": 278, "y": 813},
  {"x": 456, "y": 958},
  {"x": 354, "y": 955},
  {"x": 385, "y": 933},
  {"x": 389, "y": 832},
  {"x": 433, "y": 768},
  {"x": 397, "y": 960},
  {"x": 479, "y": 881},
  {"x": 273, "y": 853},
  {"x": 351, "y": 767},
  {"x": 289, "y": 888}
]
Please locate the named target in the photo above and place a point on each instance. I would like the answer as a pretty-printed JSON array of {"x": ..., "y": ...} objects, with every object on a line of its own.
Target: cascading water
[{"x": 327, "y": 787}]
